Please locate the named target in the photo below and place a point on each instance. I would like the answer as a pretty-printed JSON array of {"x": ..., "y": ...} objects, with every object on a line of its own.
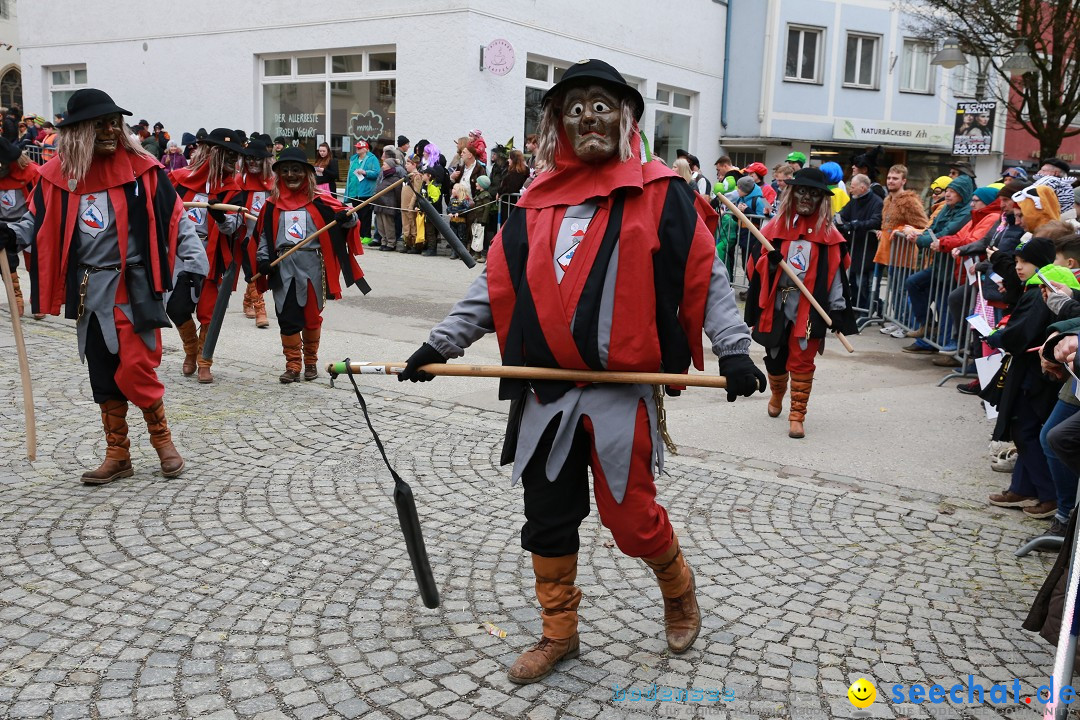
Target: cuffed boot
[
  {"x": 778, "y": 385},
  {"x": 559, "y": 599},
  {"x": 161, "y": 440},
  {"x": 18, "y": 291},
  {"x": 189, "y": 336},
  {"x": 682, "y": 619},
  {"x": 117, "y": 463},
  {"x": 249, "y": 300},
  {"x": 261, "y": 320},
  {"x": 311, "y": 352},
  {"x": 205, "y": 376},
  {"x": 291, "y": 347},
  {"x": 800, "y": 393}
]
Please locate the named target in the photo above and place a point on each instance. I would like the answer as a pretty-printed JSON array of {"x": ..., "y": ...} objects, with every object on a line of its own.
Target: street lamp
[
  {"x": 950, "y": 54},
  {"x": 1020, "y": 61}
]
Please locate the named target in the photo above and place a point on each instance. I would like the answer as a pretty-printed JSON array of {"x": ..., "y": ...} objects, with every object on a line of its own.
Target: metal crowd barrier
[
  {"x": 745, "y": 247},
  {"x": 507, "y": 203},
  {"x": 33, "y": 152}
]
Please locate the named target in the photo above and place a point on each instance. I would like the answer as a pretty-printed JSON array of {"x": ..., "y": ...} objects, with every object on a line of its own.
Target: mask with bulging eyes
[
  {"x": 591, "y": 117},
  {"x": 807, "y": 199}
]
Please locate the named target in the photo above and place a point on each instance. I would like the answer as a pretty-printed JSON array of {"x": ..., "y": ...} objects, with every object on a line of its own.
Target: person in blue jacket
[{"x": 363, "y": 173}]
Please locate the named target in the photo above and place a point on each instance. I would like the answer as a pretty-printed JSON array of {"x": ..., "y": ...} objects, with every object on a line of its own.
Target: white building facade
[
  {"x": 329, "y": 71},
  {"x": 831, "y": 78}
]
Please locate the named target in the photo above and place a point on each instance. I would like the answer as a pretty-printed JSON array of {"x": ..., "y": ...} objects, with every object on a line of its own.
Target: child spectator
[
  {"x": 433, "y": 181},
  {"x": 483, "y": 218},
  {"x": 458, "y": 209},
  {"x": 388, "y": 206},
  {"x": 412, "y": 187}
]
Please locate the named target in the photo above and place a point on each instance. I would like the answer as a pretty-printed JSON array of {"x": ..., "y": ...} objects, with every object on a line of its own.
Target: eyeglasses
[{"x": 938, "y": 191}]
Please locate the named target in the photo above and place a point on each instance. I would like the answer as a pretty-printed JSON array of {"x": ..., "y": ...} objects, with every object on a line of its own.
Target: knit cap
[
  {"x": 987, "y": 194},
  {"x": 1037, "y": 251},
  {"x": 746, "y": 184}
]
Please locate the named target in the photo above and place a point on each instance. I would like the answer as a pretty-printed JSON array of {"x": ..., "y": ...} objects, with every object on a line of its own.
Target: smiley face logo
[{"x": 862, "y": 693}]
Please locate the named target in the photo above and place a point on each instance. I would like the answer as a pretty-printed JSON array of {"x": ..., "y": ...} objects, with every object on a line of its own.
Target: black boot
[{"x": 432, "y": 247}]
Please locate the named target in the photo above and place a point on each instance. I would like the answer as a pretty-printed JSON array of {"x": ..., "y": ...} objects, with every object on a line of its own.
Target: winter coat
[
  {"x": 390, "y": 203},
  {"x": 369, "y": 170},
  {"x": 981, "y": 222},
  {"x": 858, "y": 221},
  {"x": 951, "y": 218},
  {"x": 903, "y": 208},
  {"x": 329, "y": 176},
  {"x": 1004, "y": 235}
]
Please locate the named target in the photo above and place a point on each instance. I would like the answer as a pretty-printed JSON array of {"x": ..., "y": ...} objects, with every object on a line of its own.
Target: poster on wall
[{"x": 974, "y": 130}]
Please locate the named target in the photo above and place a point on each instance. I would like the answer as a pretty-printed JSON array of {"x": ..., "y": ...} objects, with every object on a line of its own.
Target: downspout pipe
[{"x": 727, "y": 63}]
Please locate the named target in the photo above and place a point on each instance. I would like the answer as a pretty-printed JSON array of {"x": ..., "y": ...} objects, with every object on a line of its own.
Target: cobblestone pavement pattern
[{"x": 271, "y": 579}]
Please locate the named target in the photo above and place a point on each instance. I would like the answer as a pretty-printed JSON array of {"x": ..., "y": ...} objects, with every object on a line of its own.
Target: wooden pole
[
  {"x": 24, "y": 361},
  {"x": 224, "y": 207},
  {"x": 786, "y": 268},
  {"x": 327, "y": 226},
  {"x": 535, "y": 373}
]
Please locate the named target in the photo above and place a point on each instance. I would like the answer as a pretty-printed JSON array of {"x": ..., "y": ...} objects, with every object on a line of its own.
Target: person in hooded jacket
[{"x": 752, "y": 203}]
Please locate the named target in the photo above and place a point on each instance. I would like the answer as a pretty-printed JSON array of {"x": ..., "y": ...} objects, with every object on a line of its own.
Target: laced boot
[
  {"x": 18, "y": 291},
  {"x": 311, "y": 352},
  {"x": 117, "y": 463},
  {"x": 682, "y": 619},
  {"x": 559, "y": 599},
  {"x": 189, "y": 336},
  {"x": 249, "y": 300},
  {"x": 205, "y": 376},
  {"x": 290, "y": 346},
  {"x": 800, "y": 393},
  {"x": 778, "y": 385},
  {"x": 161, "y": 440}
]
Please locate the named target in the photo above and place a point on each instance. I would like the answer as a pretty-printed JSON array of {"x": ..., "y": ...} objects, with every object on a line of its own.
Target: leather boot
[
  {"x": 249, "y": 300},
  {"x": 559, "y": 599},
  {"x": 431, "y": 247},
  {"x": 290, "y": 346},
  {"x": 800, "y": 393},
  {"x": 189, "y": 336},
  {"x": 311, "y": 352},
  {"x": 18, "y": 291},
  {"x": 161, "y": 440},
  {"x": 117, "y": 462},
  {"x": 682, "y": 619},
  {"x": 778, "y": 385},
  {"x": 259, "y": 304},
  {"x": 205, "y": 376}
]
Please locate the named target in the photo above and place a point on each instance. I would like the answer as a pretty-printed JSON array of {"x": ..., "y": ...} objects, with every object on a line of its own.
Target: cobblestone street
[{"x": 271, "y": 579}]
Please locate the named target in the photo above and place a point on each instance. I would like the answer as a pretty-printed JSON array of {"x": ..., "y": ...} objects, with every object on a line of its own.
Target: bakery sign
[{"x": 885, "y": 132}]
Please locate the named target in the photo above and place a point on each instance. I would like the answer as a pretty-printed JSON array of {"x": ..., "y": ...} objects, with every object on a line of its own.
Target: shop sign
[
  {"x": 297, "y": 125},
  {"x": 884, "y": 132},
  {"x": 366, "y": 126},
  {"x": 974, "y": 131},
  {"x": 497, "y": 57}
]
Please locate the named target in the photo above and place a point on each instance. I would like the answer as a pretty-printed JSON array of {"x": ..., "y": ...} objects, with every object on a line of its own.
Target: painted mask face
[
  {"x": 293, "y": 174},
  {"x": 253, "y": 164},
  {"x": 807, "y": 199},
  {"x": 230, "y": 158},
  {"x": 591, "y": 119},
  {"x": 107, "y": 131}
]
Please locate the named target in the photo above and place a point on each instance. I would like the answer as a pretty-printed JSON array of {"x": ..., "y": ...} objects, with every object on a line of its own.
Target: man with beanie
[
  {"x": 584, "y": 274},
  {"x": 403, "y": 146}
]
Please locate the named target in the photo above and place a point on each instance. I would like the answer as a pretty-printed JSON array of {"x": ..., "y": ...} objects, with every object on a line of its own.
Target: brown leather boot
[
  {"x": 682, "y": 619},
  {"x": 250, "y": 294},
  {"x": 18, "y": 291},
  {"x": 311, "y": 352},
  {"x": 800, "y": 393},
  {"x": 205, "y": 376},
  {"x": 291, "y": 347},
  {"x": 189, "y": 336},
  {"x": 161, "y": 440},
  {"x": 117, "y": 462},
  {"x": 259, "y": 304},
  {"x": 778, "y": 385},
  {"x": 559, "y": 599}
]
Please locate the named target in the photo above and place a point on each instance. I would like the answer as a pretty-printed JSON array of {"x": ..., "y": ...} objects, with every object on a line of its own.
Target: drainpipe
[{"x": 727, "y": 61}]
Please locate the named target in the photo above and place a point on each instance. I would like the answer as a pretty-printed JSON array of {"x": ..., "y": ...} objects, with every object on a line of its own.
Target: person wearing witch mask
[
  {"x": 306, "y": 278},
  {"x": 18, "y": 175},
  {"x": 256, "y": 180},
  {"x": 211, "y": 177},
  {"x": 604, "y": 265},
  {"x": 108, "y": 235}
]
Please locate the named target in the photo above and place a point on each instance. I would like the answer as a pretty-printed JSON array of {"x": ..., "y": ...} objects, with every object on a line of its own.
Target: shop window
[
  {"x": 916, "y": 73},
  {"x": 311, "y": 65},
  {"x": 347, "y": 63},
  {"x": 63, "y": 82},
  {"x": 5, "y": 10},
  {"x": 805, "y": 47},
  {"x": 533, "y": 100},
  {"x": 277, "y": 67},
  {"x": 536, "y": 70},
  {"x": 743, "y": 158},
  {"x": 382, "y": 62},
  {"x": 672, "y": 129},
  {"x": 860, "y": 64}
]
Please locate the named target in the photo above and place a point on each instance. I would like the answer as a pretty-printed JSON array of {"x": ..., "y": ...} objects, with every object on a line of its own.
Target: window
[
  {"x": 804, "y": 53},
  {"x": 672, "y": 130},
  {"x": 540, "y": 74},
  {"x": 63, "y": 82},
  {"x": 742, "y": 158},
  {"x": 311, "y": 65},
  {"x": 916, "y": 73},
  {"x": 860, "y": 65}
]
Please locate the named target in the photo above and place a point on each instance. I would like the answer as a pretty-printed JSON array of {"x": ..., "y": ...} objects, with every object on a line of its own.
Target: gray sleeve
[
  {"x": 230, "y": 224},
  {"x": 468, "y": 321},
  {"x": 24, "y": 230},
  {"x": 724, "y": 326},
  {"x": 836, "y": 294},
  {"x": 190, "y": 253},
  {"x": 350, "y": 221},
  {"x": 262, "y": 250}
]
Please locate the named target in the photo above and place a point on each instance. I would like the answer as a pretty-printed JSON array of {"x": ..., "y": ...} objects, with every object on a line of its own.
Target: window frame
[
  {"x": 875, "y": 61},
  {"x": 819, "y": 55},
  {"x": 71, "y": 85},
  {"x": 905, "y": 86},
  {"x": 669, "y": 106}
]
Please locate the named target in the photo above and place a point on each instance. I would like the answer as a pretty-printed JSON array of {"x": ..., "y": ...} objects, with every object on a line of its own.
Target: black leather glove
[
  {"x": 672, "y": 391},
  {"x": 264, "y": 268},
  {"x": 195, "y": 282},
  {"x": 8, "y": 240},
  {"x": 743, "y": 376},
  {"x": 426, "y": 355},
  {"x": 775, "y": 257},
  {"x": 837, "y": 318},
  {"x": 341, "y": 217},
  {"x": 217, "y": 215}
]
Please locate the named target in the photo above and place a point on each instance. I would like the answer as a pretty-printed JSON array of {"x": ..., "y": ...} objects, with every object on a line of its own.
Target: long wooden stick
[
  {"x": 224, "y": 207},
  {"x": 332, "y": 223},
  {"x": 24, "y": 361},
  {"x": 786, "y": 268},
  {"x": 535, "y": 373}
]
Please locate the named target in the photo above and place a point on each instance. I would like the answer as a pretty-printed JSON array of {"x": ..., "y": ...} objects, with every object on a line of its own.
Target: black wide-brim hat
[
  {"x": 811, "y": 177},
  {"x": 224, "y": 137},
  {"x": 292, "y": 155},
  {"x": 256, "y": 149},
  {"x": 589, "y": 71},
  {"x": 87, "y": 104},
  {"x": 9, "y": 151}
]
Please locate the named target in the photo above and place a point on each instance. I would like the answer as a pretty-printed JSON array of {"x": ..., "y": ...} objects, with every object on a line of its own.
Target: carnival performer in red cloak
[
  {"x": 18, "y": 175},
  {"x": 604, "y": 265},
  {"x": 107, "y": 235},
  {"x": 256, "y": 181}
]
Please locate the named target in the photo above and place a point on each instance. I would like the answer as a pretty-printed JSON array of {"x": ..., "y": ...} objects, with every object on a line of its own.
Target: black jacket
[{"x": 858, "y": 220}]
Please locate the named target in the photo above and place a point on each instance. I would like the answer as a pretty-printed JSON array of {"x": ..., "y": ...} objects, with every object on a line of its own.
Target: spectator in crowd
[
  {"x": 326, "y": 169},
  {"x": 161, "y": 136},
  {"x": 723, "y": 167},
  {"x": 434, "y": 179},
  {"x": 1014, "y": 173},
  {"x": 148, "y": 142},
  {"x": 797, "y": 160},
  {"x": 866, "y": 164},
  {"x": 834, "y": 175},
  {"x": 759, "y": 172},
  {"x": 173, "y": 158},
  {"x": 388, "y": 206},
  {"x": 962, "y": 167},
  {"x": 531, "y": 141},
  {"x": 279, "y": 145},
  {"x": 682, "y": 168},
  {"x": 458, "y": 209},
  {"x": 1037, "y": 205},
  {"x": 1053, "y": 167},
  {"x": 364, "y": 172},
  {"x": 9, "y": 123},
  {"x": 697, "y": 181},
  {"x": 476, "y": 139},
  {"x": 515, "y": 176},
  {"x": 497, "y": 167},
  {"x": 48, "y": 142},
  {"x": 937, "y": 194},
  {"x": 460, "y": 144},
  {"x": 412, "y": 187},
  {"x": 859, "y": 222},
  {"x": 26, "y": 137},
  {"x": 781, "y": 174},
  {"x": 1063, "y": 189},
  {"x": 902, "y": 218},
  {"x": 470, "y": 169},
  {"x": 484, "y": 217}
]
